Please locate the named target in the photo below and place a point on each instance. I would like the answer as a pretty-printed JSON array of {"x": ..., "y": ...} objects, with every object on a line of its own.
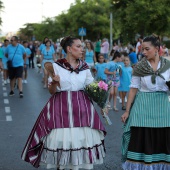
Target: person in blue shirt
[
  {"x": 100, "y": 68},
  {"x": 40, "y": 49},
  {"x": 121, "y": 64},
  {"x": 89, "y": 55},
  {"x": 48, "y": 55},
  {"x": 16, "y": 53},
  {"x": 4, "y": 61},
  {"x": 133, "y": 57},
  {"x": 113, "y": 73},
  {"x": 28, "y": 54},
  {"x": 63, "y": 54},
  {"x": 125, "y": 79}
]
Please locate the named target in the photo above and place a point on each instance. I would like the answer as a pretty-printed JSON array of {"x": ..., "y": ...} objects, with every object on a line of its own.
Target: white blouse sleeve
[
  {"x": 89, "y": 77},
  {"x": 135, "y": 82}
]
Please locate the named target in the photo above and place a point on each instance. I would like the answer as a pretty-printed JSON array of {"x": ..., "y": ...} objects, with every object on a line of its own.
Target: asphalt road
[{"x": 17, "y": 117}]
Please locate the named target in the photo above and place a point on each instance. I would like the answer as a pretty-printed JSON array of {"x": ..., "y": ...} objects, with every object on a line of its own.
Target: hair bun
[
  {"x": 156, "y": 36},
  {"x": 64, "y": 40}
]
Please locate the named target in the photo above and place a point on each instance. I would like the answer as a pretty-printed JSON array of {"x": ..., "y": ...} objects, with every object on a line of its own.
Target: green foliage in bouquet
[{"x": 98, "y": 91}]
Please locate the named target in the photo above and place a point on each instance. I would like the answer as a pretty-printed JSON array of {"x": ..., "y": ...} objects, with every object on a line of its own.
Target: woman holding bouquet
[
  {"x": 146, "y": 137},
  {"x": 68, "y": 133}
]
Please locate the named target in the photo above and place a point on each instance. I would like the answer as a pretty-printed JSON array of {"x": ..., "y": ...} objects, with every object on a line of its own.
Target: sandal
[
  {"x": 109, "y": 105},
  {"x": 123, "y": 108},
  {"x": 115, "y": 109}
]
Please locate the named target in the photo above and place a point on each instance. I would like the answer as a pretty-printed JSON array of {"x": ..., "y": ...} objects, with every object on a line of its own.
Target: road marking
[
  {"x": 7, "y": 109},
  {"x": 4, "y": 88},
  {"x": 6, "y": 101},
  {"x": 5, "y": 94},
  {"x": 8, "y": 118}
]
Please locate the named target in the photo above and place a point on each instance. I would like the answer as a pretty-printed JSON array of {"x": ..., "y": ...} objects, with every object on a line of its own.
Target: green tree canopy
[{"x": 141, "y": 16}]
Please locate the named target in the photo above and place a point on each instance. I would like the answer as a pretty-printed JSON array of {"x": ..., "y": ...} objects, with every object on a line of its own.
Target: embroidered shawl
[{"x": 144, "y": 69}]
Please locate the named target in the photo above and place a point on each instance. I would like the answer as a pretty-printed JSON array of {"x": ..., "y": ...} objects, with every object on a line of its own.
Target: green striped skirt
[{"x": 146, "y": 137}]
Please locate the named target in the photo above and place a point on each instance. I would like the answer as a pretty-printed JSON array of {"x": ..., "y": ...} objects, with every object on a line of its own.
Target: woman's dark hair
[
  {"x": 6, "y": 40},
  {"x": 116, "y": 54},
  {"x": 15, "y": 37},
  {"x": 25, "y": 42},
  {"x": 44, "y": 40},
  {"x": 91, "y": 45},
  {"x": 67, "y": 41},
  {"x": 112, "y": 52},
  {"x": 154, "y": 39},
  {"x": 47, "y": 42}
]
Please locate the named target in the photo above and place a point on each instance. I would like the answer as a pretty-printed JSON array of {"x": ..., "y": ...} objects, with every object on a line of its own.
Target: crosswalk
[{"x": 6, "y": 111}]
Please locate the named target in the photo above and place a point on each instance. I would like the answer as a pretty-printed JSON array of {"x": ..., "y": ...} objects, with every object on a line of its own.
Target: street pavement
[{"x": 17, "y": 117}]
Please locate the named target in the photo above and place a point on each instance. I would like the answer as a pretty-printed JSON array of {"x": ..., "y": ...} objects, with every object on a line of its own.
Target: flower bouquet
[{"x": 99, "y": 91}]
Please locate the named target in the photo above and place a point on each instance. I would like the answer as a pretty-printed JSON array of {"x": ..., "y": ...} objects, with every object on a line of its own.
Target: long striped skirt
[
  {"x": 146, "y": 137},
  {"x": 67, "y": 134}
]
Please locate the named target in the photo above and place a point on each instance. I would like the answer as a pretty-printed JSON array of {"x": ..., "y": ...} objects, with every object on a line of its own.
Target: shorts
[
  {"x": 26, "y": 67},
  {"x": 15, "y": 72},
  {"x": 115, "y": 81},
  {"x": 105, "y": 56},
  {"x": 46, "y": 60},
  {"x": 4, "y": 65},
  {"x": 91, "y": 65}
]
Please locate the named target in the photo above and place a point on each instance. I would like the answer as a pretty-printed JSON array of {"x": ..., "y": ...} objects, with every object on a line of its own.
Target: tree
[
  {"x": 141, "y": 16},
  {"x": 90, "y": 14},
  {"x": 1, "y": 7}
]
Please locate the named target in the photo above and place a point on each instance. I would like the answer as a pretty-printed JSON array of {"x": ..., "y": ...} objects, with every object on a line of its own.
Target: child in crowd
[
  {"x": 113, "y": 73},
  {"x": 121, "y": 64},
  {"x": 100, "y": 68},
  {"x": 125, "y": 79},
  {"x": 28, "y": 53}
]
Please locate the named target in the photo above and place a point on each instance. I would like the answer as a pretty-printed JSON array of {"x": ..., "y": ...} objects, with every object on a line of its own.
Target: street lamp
[
  {"x": 111, "y": 24},
  {"x": 111, "y": 33}
]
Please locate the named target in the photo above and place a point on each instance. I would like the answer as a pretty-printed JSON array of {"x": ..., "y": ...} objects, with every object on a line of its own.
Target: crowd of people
[{"x": 140, "y": 71}]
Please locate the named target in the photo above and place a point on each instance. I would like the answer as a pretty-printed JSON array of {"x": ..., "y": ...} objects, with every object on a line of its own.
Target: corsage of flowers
[{"x": 99, "y": 91}]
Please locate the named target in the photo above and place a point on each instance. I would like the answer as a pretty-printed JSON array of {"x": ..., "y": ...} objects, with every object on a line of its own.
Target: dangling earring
[{"x": 156, "y": 54}]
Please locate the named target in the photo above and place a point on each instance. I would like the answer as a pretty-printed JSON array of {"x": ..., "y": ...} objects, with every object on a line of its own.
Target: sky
[{"x": 18, "y": 12}]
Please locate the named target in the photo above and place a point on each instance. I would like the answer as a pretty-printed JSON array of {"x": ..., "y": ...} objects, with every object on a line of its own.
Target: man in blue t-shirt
[{"x": 16, "y": 53}]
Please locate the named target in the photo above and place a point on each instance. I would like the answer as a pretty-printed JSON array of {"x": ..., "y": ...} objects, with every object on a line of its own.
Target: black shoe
[
  {"x": 123, "y": 108},
  {"x": 21, "y": 94},
  {"x": 11, "y": 93}
]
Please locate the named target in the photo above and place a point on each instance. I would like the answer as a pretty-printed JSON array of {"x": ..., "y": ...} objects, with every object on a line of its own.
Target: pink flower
[{"x": 103, "y": 85}]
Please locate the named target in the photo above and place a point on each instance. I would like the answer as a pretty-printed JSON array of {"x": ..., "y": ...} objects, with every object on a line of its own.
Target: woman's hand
[{"x": 125, "y": 116}]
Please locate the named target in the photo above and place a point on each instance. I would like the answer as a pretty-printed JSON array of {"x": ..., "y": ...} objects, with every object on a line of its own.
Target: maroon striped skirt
[{"x": 67, "y": 109}]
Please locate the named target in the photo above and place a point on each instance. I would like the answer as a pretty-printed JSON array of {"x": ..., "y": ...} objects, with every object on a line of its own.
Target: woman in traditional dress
[
  {"x": 68, "y": 132},
  {"x": 146, "y": 137}
]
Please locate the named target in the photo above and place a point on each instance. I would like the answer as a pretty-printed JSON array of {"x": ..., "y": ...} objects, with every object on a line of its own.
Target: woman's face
[
  {"x": 48, "y": 44},
  {"x": 149, "y": 50},
  {"x": 76, "y": 49},
  {"x": 88, "y": 45}
]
